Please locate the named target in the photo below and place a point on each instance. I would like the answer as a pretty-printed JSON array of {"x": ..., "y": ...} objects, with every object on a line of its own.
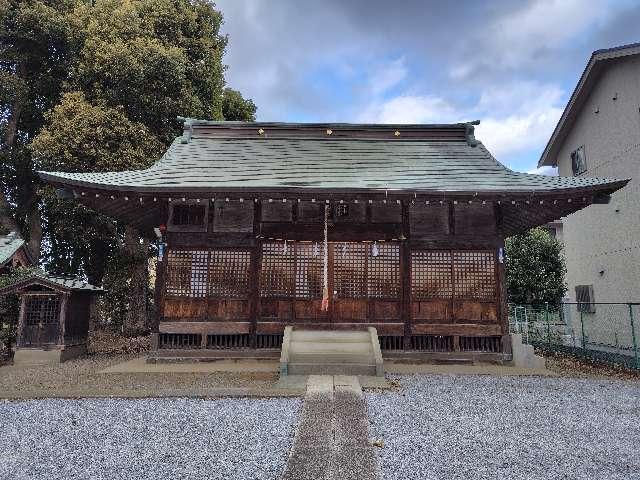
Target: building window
[
  {"x": 578, "y": 161},
  {"x": 584, "y": 299}
]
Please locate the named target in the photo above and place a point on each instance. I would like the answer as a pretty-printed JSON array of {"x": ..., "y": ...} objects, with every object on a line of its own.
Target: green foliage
[
  {"x": 156, "y": 58},
  {"x": 535, "y": 268},
  {"x": 81, "y": 137},
  {"x": 236, "y": 108},
  {"x": 113, "y": 76}
]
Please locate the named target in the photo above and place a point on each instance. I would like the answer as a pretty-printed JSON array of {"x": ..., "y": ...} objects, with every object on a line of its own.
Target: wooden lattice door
[{"x": 41, "y": 323}]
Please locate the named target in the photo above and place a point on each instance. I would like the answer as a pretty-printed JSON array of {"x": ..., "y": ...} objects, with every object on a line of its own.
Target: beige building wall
[{"x": 602, "y": 242}]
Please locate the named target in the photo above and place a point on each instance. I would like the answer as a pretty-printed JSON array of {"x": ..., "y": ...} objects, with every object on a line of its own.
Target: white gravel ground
[
  {"x": 481, "y": 427},
  {"x": 146, "y": 439}
]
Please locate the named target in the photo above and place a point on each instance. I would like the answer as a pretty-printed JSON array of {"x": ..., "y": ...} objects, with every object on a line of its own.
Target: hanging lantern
[
  {"x": 374, "y": 249},
  {"x": 316, "y": 249},
  {"x": 284, "y": 248}
]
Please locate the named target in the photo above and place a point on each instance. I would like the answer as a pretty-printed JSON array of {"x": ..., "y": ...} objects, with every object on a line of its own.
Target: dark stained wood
[
  {"x": 254, "y": 276},
  {"x": 277, "y": 211},
  {"x": 474, "y": 219},
  {"x": 462, "y": 329},
  {"x": 204, "y": 328},
  {"x": 161, "y": 267},
  {"x": 233, "y": 216},
  {"x": 386, "y": 212},
  {"x": 405, "y": 273},
  {"x": 428, "y": 220}
]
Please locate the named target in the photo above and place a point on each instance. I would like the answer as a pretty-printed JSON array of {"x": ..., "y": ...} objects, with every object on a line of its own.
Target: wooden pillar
[
  {"x": 62, "y": 316},
  {"x": 159, "y": 288},
  {"x": 405, "y": 275},
  {"x": 503, "y": 309},
  {"x": 21, "y": 320},
  {"x": 254, "y": 276}
]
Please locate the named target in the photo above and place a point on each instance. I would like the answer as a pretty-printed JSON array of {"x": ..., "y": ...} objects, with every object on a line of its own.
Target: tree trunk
[
  {"x": 6, "y": 219},
  {"x": 136, "y": 321},
  {"x": 35, "y": 230}
]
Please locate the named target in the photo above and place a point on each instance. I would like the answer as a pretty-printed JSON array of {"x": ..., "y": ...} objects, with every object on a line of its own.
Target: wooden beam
[
  {"x": 254, "y": 276},
  {"x": 405, "y": 274}
]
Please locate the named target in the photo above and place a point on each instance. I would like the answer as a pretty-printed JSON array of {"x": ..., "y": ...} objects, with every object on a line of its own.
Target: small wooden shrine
[
  {"x": 13, "y": 253},
  {"x": 54, "y": 317},
  {"x": 341, "y": 226}
]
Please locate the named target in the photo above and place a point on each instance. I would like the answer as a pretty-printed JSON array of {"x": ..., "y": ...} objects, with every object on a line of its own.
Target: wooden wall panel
[
  {"x": 211, "y": 328},
  {"x": 389, "y": 212},
  {"x": 233, "y": 216},
  {"x": 467, "y": 311},
  {"x": 435, "y": 311},
  {"x": 310, "y": 212},
  {"x": 455, "y": 329},
  {"x": 277, "y": 211},
  {"x": 384, "y": 311},
  {"x": 474, "y": 219},
  {"x": 226, "y": 309},
  {"x": 276, "y": 308},
  {"x": 349, "y": 310},
  {"x": 428, "y": 220},
  {"x": 309, "y": 309},
  {"x": 185, "y": 307}
]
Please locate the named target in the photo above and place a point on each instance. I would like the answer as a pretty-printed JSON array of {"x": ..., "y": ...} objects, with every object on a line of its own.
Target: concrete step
[
  {"x": 330, "y": 336},
  {"x": 331, "y": 369},
  {"x": 332, "y": 358},
  {"x": 357, "y": 348},
  {"x": 322, "y": 352}
]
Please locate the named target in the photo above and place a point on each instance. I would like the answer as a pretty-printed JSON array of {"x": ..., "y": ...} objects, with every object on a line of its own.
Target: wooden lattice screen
[
  {"x": 214, "y": 273},
  {"x": 457, "y": 274},
  {"x": 350, "y": 270},
  {"x": 291, "y": 269},
  {"x": 362, "y": 270},
  {"x": 383, "y": 271},
  {"x": 278, "y": 271},
  {"x": 43, "y": 309}
]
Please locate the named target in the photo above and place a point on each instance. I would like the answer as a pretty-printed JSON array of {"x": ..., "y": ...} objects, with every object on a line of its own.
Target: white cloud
[
  {"x": 545, "y": 170},
  {"x": 516, "y": 118},
  {"x": 410, "y": 109},
  {"x": 388, "y": 76},
  {"x": 530, "y": 34}
]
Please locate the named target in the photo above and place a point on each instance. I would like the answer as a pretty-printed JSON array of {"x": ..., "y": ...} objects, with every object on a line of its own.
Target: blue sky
[{"x": 512, "y": 65}]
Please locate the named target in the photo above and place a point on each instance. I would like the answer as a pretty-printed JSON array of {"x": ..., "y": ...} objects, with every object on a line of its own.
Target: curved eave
[{"x": 603, "y": 185}]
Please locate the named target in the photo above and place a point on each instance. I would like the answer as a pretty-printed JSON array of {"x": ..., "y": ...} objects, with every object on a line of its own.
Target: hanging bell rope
[{"x": 325, "y": 269}]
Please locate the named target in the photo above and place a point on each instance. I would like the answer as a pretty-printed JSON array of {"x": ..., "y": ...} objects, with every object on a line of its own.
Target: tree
[
  {"x": 38, "y": 43},
  {"x": 236, "y": 108},
  {"x": 535, "y": 268},
  {"x": 121, "y": 72}
]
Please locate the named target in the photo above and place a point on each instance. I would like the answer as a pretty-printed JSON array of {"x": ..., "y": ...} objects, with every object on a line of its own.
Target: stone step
[
  {"x": 359, "y": 348},
  {"x": 317, "y": 368},
  {"x": 332, "y": 358},
  {"x": 332, "y": 336},
  {"x": 322, "y": 352}
]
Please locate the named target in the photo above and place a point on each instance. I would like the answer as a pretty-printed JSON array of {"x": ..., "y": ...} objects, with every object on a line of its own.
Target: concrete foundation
[
  {"x": 51, "y": 356},
  {"x": 523, "y": 354}
]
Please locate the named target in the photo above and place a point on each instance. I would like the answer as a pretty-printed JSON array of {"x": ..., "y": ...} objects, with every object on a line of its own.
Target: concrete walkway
[{"x": 332, "y": 438}]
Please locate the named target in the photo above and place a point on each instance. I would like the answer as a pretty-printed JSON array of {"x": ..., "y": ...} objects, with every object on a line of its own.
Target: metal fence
[{"x": 602, "y": 332}]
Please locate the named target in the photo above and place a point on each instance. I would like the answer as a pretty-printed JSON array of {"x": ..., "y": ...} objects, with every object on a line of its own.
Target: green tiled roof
[
  {"x": 9, "y": 245},
  {"x": 202, "y": 161},
  {"x": 66, "y": 282}
]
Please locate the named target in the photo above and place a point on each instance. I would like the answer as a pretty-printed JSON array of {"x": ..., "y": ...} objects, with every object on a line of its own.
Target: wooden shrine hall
[{"x": 331, "y": 227}]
